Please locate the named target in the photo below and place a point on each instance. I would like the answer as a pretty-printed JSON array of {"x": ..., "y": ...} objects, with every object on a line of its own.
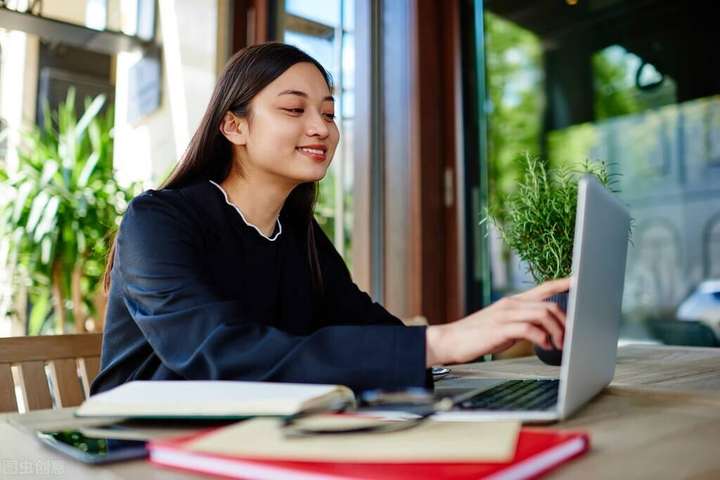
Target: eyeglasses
[{"x": 413, "y": 404}]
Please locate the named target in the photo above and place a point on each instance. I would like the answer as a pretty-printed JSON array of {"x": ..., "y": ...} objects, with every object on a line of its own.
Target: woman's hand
[{"x": 525, "y": 316}]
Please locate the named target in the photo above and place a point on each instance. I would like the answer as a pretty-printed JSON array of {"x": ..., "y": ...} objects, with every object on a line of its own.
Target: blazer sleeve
[{"x": 199, "y": 335}]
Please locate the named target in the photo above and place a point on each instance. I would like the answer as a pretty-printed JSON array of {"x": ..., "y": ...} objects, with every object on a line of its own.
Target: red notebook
[{"x": 538, "y": 452}]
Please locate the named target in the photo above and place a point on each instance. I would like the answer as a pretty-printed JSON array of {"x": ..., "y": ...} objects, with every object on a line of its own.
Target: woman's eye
[
  {"x": 329, "y": 116},
  {"x": 296, "y": 111}
]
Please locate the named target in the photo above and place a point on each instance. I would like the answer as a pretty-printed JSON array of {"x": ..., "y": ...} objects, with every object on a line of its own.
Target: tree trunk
[
  {"x": 57, "y": 296},
  {"x": 77, "y": 300}
]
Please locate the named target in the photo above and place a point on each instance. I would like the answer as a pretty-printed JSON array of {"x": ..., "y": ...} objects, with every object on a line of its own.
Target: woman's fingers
[
  {"x": 527, "y": 331},
  {"x": 543, "y": 317},
  {"x": 520, "y": 317},
  {"x": 546, "y": 315},
  {"x": 515, "y": 302},
  {"x": 556, "y": 311},
  {"x": 545, "y": 290}
]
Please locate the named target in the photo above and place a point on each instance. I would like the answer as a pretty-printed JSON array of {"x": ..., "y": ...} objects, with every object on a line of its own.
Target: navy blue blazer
[{"x": 196, "y": 293}]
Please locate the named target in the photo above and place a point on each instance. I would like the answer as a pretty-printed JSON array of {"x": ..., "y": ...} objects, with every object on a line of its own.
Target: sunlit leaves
[
  {"x": 63, "y": 203},
  {"x": 538, "y": 217}
]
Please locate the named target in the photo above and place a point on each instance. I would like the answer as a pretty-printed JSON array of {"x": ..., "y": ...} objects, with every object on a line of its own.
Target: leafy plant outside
[
  {"x": 58, "y": 211},
  {"x": 537, "y": 220}
]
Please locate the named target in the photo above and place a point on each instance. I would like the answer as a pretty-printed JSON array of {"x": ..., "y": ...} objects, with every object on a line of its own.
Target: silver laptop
[{"x": 591, "y": 331}]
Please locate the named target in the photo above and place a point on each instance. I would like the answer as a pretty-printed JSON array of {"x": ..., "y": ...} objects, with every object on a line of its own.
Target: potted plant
[
  {"x": 537, "y": 221},
  {"x": 57, "y": 211}
]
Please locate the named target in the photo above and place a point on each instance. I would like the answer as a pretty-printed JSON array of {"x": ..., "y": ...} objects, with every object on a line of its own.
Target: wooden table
[{"x": 660, "y": 418}]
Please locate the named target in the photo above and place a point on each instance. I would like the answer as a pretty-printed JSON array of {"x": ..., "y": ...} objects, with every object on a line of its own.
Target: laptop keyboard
[{"x": 515, "y": 395}]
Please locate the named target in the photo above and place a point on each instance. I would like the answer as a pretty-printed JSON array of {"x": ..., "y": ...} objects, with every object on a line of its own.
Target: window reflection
[
  {"x": 324, "y": 29},
  {"x": 712, "y": 247},
  {"x": 632, "y": 85},
  {"x": 624, "y": 83}
]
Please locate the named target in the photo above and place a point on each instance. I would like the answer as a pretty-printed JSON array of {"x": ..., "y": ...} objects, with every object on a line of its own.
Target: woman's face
[{"x": 291, "y": 132}]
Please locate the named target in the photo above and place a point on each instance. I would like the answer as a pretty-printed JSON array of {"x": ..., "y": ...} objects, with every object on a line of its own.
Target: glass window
[
  {"x": 321, "y": 49},
  {"x": 322, "y": 11},
  {"x": 633, "y": 85},
  {"x": 712, "y": 249},
  {"x": 131, "y": 17},
  {"x": 323, "y": 29}
]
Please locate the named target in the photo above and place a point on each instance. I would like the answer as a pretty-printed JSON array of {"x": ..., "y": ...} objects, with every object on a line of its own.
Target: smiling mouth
[{"x": 312, "y": 152}]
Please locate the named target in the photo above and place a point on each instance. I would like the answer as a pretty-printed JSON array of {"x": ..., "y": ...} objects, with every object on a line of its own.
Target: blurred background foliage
[
  {"x": 58, "y": 212},
  {"x": 516, "y": 107}
]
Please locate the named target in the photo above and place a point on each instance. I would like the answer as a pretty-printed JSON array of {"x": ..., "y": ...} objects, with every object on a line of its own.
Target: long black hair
[{"x": 209, "y": 154}]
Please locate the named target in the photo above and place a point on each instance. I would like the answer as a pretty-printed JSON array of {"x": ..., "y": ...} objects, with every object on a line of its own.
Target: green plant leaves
[
  {"x": 22, "y": 194},
  {"x": 537, "y": 220},
  {"x": 88, "y": 169},
  {"x": 50, "y": 168},
  {"x": 63, "y": 204},
  {"x": 48, "y": 222},
  {"x": 38, "y": 205},
  {"x": 40, "y": 309},
  {"x": 91, "y": 111}
]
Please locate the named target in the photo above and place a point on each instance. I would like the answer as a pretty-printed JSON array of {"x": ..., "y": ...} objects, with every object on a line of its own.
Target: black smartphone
[{"x": 92, "y": 450}]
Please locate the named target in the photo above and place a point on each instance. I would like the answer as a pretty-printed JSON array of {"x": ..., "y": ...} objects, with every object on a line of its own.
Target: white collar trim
[{"x": 227, "y": 200}]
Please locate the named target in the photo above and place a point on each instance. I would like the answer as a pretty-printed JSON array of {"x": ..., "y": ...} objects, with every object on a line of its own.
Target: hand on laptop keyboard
[{"x": 525, "y": 316}]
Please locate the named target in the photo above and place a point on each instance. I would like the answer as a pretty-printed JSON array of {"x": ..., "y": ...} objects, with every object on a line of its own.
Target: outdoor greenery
[
  {"x": 538, "y": 217},
  {"x": 516, "y": 105},
  {"x": 58, "y": 212},
  {"x": 326, "y": 216},
  {"x": 325, "y": 205},
  {"x": 615, "y": 92},
  {"x": 514, "y": 58}
]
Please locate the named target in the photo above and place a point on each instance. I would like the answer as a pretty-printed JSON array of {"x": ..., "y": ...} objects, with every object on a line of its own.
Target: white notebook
[{"x": 211, "y": 399}]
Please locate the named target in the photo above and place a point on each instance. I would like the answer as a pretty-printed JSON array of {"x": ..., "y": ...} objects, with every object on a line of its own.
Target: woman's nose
[{"x": 317, "y": 127}]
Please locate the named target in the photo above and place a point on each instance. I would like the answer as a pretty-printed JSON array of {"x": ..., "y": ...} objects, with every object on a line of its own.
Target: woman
[{"x": 224, "y": 274}]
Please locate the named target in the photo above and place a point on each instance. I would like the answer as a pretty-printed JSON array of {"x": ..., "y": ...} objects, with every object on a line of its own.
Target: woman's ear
[{"x": 234, "y": 128}]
